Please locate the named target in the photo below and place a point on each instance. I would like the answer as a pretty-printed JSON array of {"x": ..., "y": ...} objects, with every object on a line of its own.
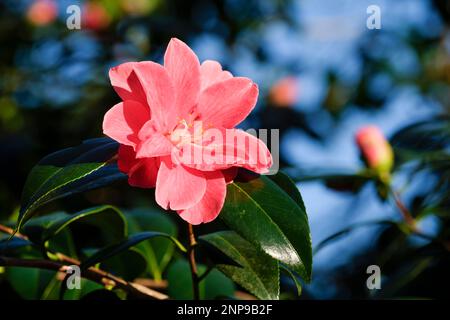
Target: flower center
[{"x": 186, "y": 132}]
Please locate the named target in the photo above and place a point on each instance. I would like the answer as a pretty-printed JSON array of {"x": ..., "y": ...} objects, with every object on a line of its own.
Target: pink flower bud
[
  {"x": 95, "y": 16},
  {"x": 42, "y": 12},
  {"x": 284, "y": 93},
  {"x": 375, "y": 149}
]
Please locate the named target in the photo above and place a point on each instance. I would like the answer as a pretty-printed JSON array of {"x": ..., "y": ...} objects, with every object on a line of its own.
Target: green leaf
[
  {"x": 347, "y": 230},
  {"x": 294, "y": 279},
  {"x": 131, "y": 241},
  {"x": 336, "y": 179},
  {"x": 110, "y": 220},
  {"x": 259, "y": 273},
  {"x": 67, "y": 172},
  {"x": 266, "y": 215},
  {"x": 288, "y": 185},
  {"x": 214, "y": 285},
  {"x": 7, "y": 245},
  {"x": 128, "y": 264},
  {"x": 158, "y": 252},
  {"x": 29, "y": 283}
]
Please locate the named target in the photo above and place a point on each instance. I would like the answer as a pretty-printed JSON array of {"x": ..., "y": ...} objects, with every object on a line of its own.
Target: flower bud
[
  {"x": 42, "y": 12},
  {"x": 284, "y": 93},
  {"x": 375, "y": 149},
  {"x": 95, "y": 16}
]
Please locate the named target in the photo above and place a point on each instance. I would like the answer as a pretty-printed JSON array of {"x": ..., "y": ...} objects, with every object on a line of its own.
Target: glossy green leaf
[
  {"x": 67, "y": 172},
  {"x": 288, "y": 185},
  {"x": 131, "y": 241},
  {"x": 157, "y": 251},
  {"x": 269, "y": 217},
  {"x": 259, "y": 273}
]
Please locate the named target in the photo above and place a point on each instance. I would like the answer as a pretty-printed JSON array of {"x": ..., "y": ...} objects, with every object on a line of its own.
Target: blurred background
[{"x": 322, "y": 76}]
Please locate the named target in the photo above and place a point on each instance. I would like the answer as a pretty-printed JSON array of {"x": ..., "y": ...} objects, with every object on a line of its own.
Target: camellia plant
[{"x": 174, "y": 133}]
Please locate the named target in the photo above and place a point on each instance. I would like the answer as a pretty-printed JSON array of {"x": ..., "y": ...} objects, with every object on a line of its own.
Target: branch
[
  {"x": 410, "y": 221},
  {"x": 93, "y": 274},
  {"x": 192, "y": 263}
]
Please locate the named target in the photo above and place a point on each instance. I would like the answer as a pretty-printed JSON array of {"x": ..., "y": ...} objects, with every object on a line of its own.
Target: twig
[
  {"x": 205, "y": 273},
  {"x": 93, "y": 274},
  {"x": 409, "y": 220},
  {"x": 192, "y": 263}
]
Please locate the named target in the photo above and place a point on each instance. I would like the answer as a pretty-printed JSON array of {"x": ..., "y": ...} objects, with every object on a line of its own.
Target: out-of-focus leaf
[
  {"x": 67, "y": 172},
  {"x": 29, "y": 283},
  {"x": 129, "y": 242},
  {"x": 264, "y": 214},
  {"x": 110, "y": 220},
  {"x": 335, "y": 179},
  {"x": 214, "y": 285},
  {"x": 128, "y": 264},
  {"x": 158, "y": 252},
  {"x": 7, "y": 245},
  {"x": 259, "y": 273},
  {"x": 343, "y": 232},
  {"x": 424, "y": 136}
]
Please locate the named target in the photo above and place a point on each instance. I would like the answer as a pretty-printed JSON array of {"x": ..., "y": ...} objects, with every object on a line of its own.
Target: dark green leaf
[
  {"x": 259, "y": 273},
  {"x": 157, "y": 251},
  {"x": 343, "y": 232},
  {"x": 264, "y": 214},
  {"x": 336, "y": 179},
  {"x": 107, "y": 217},
  {"x": 294, "y": 279},
  {"x": 214, "y": 285},
  {"x": 288, "y": 185},
  {"x": 131, "y": 241},
  {"x": 67, "y": 172},
  {"x": 128, "y": 264},
  {"x": 13, "y": 244}
]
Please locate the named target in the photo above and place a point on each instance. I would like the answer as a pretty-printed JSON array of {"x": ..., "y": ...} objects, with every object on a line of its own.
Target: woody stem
[{"x": 192, "y": 263}]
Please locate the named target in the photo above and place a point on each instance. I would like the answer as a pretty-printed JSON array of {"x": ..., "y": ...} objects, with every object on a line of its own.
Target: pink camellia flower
[
  {"x": 375, "y": 149},
  {"x": 176, "y": 130}
]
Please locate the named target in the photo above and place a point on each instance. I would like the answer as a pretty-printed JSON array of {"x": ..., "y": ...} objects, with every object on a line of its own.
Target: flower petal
[
  {"x": 178, "y": 187},
  {"x": 159, "y": 92},
  {"x": 123, "y": 122},
  {"x": 227, "y": 103},
  {"x": 153, "y": 143},
  {"x": 141, "y": 172},
  {"x": 183, "y": 68},
  {"x": 209, "y": 207},
  {"x": 230, "y": 174},
  {"x": 126, "y": 83},
  {"x": 144, "y": 174},
  {"x": 211, "y": 72}
]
